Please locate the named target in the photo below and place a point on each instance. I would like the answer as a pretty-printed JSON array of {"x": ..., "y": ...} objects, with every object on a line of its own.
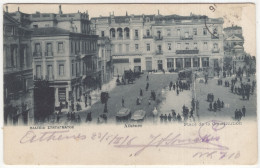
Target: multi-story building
[
  {"x": 65, "y": 58},
  {"x": 18, "y": 81},
  {"x": 156, "y": 42},
  {"x": 234, "y": 47}
]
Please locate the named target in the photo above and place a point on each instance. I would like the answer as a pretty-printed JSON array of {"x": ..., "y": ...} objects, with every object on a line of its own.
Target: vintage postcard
[{"x": 129, "y": 84}]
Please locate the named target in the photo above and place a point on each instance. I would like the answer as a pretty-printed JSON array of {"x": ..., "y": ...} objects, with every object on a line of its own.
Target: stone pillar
[
  {"x": 174, "y": 63},
  {"x": 200, "y": 59}
]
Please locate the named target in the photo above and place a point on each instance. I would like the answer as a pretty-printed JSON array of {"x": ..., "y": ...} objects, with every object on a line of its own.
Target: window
[
  {"x": 147, "y": 33},
  {"x": 186, "y": 35},
  {"x": 72, "y": 69},
  {"x": 71, "y": 47},
  {"x": 49, "y": 49},
  {"x": 178, "y": 46},
  {"x": 205, "y": 62},
  {"x": 102, "y": 33},
  {"x": 148, "y": 47},
  {"x": 168, "y": 32},
  {"x": 159, "y": 48},
  {"x": 196, "y": 62},
  {"x": 13, "y": 30},
  {"x": 120, "y": 48},
  {"x": 35, "y": 26},
  {"x": 50, "y": 72},
  {"x": 194, "y": 31},
  {"x": 170, "y": 63},
  {"x": 215, "y": 46},
  {"x": 136, "y": 47},
  {"x": 195, "y": 45},
  {"x": 178, "y": 32},
  {"x": 205, "y": 45},
  {"x": 38, "y": 71},
  {"x": 159, "y": 34},
  {"x": 187, "y": 46},
  {"x": 60, "y": 47},
  {"x": 37, "y": 48},
  {"x": 102, "y": 53},
  {"x": 136, "y": 33},
  {"x": 61, "y": 70},
  {"x": 127, "y": 47},
  {"x": 215, "y": 30},
  {"x": 169, "y": 46},
  {"x": 205, "y": 31}
]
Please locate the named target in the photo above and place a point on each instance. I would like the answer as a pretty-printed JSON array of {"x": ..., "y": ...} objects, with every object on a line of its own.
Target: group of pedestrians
[
  {"x": 239, "y": 113},
  {"x": 170, "y": 117},
  {"x": 72, "y": 117},
  {"x": 216, "y": 105}
]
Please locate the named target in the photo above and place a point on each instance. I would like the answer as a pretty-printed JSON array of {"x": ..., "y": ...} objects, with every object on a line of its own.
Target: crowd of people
[
  {"x": 239, "y": 113},
  {"x": 171, "y": 117}
]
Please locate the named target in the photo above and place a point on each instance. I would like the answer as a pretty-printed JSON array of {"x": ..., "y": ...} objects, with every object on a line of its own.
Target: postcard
[{"x": 129, "y": 84}]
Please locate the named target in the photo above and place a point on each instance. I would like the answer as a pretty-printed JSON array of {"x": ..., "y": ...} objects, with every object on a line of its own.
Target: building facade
[
  {"x": 65, "y": 64},
  {"x": 18, "y": 73},
  {"x": 157, "y": 42}
]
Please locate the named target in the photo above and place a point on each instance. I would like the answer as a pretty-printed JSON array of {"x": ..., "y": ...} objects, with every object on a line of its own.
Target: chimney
[
  {"x": 60, "y": 11},
  {"x": 6, "y": 9}
]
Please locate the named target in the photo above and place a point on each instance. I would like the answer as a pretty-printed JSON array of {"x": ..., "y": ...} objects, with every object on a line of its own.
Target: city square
[{"x": 74, "y": 68}]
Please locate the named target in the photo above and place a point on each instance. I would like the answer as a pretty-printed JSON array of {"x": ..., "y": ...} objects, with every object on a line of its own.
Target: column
[
  {"x": 183, "y": 63},
  {"x": 191, "y": 64},
  {"x": 200, "y": 59},
  {"x": 174, "y": 63},
  {"x": 25, "y": 56}
]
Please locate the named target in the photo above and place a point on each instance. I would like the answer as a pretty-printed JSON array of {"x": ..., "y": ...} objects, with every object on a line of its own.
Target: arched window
[
  {"x": 126, "y": 31},
  {"x": 112, "y": 33},
  {"x": 120, "y": 32}
]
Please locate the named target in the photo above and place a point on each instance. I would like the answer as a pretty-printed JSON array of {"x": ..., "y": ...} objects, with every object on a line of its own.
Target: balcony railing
[
  {"x": 215, "y": 50},
  {"x": 147, "y": 37},
  {"x": 49, "y": 78},
  {"x": 37, "y": 54},
  {"x": 186, "y": 38},
  {"x": 159, "y": 52},
  {"x": 215, "y": 36},
  {"x": 158, "y": 38},
  {"x": 48, "y": 53},
  {"x": 187, "y": 51}
]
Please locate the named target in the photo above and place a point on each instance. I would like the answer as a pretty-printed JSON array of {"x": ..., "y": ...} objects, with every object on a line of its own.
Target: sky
[{"x": 234, "y": 14}]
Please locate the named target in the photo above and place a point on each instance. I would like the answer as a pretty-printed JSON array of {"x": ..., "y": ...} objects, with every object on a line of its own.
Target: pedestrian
[
  {"x": 165, "y": 117},
  {"x": 89, "y": 100},
  {"x": 179, "y": 118},
  {"x": 210, "y": 106},
  {"x": 169, "y": 118},
  {"x": 141, "y": 92},
  {"x": 86, "y": 100},
  {"x": 222, "y": 104},
  {"x": 174, "y": 115},
  {"x": 78, "y": 118},
  {"x": 147, "y": 86},
  {"x": 137, "y": 101},
  {"x": 244, "y": 111},
  {"x": 123, "y": 101},
  {"x": 147, "y": 78},
  {"x": 149, "y": 101},
  {"x": 161, "y": 118}
]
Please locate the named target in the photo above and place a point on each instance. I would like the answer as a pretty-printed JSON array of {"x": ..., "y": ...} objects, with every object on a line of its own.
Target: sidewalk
[{"x": 95, "y": 96}]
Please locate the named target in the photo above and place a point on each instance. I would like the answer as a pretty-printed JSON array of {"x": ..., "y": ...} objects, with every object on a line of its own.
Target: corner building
[{"x": 157, "y": 42}]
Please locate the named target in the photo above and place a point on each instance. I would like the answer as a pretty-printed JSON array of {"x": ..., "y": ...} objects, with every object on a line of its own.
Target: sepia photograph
[{"x": 132, "y": 68}]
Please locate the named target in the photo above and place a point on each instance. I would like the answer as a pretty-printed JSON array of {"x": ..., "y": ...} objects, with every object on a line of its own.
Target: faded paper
[{"x": 207, "y": 141}]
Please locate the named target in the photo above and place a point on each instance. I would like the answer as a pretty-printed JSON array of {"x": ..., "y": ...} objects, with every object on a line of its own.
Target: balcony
[
  {"x": 186, "y": 38},
  {"x": 37, "y": 54},
  {"x": 49, "y": 78},
  {"x": 187, "y": 51},
  {"x": 147, "y": 37},
  {"x": 215, "y": 36},
  {"x": 49, "y": 54},
  {"x": 159, "y": 53},
  {"x": 215, "y": 50},
  {"x": 158, "y": 38}
]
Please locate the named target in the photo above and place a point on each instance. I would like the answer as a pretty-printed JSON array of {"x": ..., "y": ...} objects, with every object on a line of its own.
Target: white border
[{"x": 124, "y": 1}]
